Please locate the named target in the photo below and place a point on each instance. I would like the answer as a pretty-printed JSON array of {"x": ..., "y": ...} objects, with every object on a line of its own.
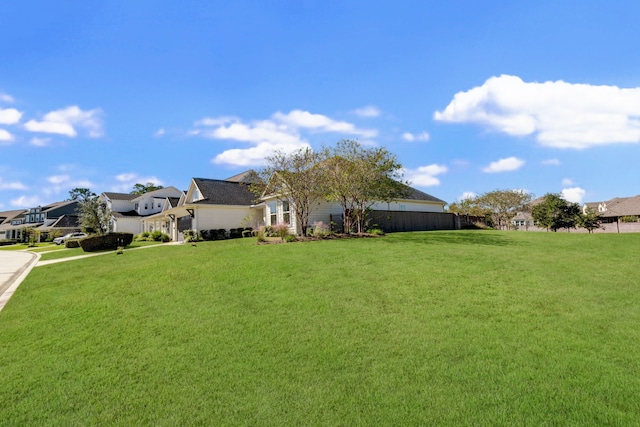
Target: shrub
[
  {"x": 290, "y": 238},
  {"x": 262, "y": 234},
  {"x": 105, "y": 241},
  {"x": 247, "y": 232},
  {"x": 72, "y": 243},
  {"x": 6, "y": 242},
  {"x": 320, "y": 229},
  {"x": 235, "y": 233},
  {"x": 376, "y": 232},
  {"x": 281, "y": 230},
  {"x": 191, "y": 236},
  {"x": 159, "y": 236}
]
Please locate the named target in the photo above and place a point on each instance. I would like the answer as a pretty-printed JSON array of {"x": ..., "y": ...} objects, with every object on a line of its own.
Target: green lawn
[{"x": 438, "y": 328}]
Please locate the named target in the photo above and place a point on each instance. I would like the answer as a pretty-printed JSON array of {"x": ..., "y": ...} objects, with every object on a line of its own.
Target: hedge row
[
  {"x": 221, "y": 233},
  {"x": 106, "y": 242}
]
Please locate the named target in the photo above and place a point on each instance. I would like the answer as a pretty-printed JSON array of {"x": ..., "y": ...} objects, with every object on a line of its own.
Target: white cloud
[
  {"x": 567, "y": 181},
  {"x": 551, "y": 162},
  {"x": 304, "y": 119},
  {"x": 467, "y": 195},
  {"x": 574, "y": 195},
  {"x": 9, "y": 116},
  {"x": 282, "y": 132},
  {"x": 160, "y": 132},
  {"x": 425, "y": 176},
  {"x": 5, "y": 136},
  {"x": 217, "y": 121},
  {"x": 367, "y": 111},
  {"x": 6, "y": 98},
  {"x": 40, "y": 142},
  {"x": 27, "y": 202},
  {"x": 504, "y": 165},
  {"x": 126, "y": 181},
  {"x": 67, "y": 121},
  {"x": 423, "y": 136},
  {"x": 254, "y": 155},
  {"x": 559, "y": 114},
  {"x": 15, "y": 185},
  {"x": 64, "y": 183}
]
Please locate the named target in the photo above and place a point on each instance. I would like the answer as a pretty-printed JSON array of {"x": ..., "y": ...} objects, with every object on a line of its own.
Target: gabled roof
[
  {"x": 623, "y": 207},
  {"x": 247, "y": 177},
  {"x": 121, "y": 196},
  {"x": 129, "y": 214},
  {"x": 66, "y": 221},
  {"x": 7, "y": 216},
  {"x": 414, "y": 194},
  {"x": 173, "y": 201},
  {"x": 219, "y": 192}
]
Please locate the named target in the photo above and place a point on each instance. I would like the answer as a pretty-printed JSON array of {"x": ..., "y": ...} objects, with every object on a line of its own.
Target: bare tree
[
  {"x": 357, "y": 177},
  {"x": 293, "y": 177}
]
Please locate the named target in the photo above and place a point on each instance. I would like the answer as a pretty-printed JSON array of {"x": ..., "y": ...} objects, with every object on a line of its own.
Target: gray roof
[
  {"x": 247, "y": 177},
  {"x": 219, "y": 192},
  {"x": 173, "y": 201},
  {"x": 121, "y": 196},
  {"x": 413, "y": 194},
  {"x": 623, "y": 207},
  {"x": 128, "y": 214}
]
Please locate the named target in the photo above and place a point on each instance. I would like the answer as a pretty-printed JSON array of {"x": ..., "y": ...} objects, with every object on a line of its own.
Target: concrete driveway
[{"x": 14, "y": 267}]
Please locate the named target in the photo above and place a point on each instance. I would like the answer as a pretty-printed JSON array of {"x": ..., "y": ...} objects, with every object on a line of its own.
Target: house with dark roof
[
  {"x": 213, "y": 204},
  {"x": 129, "y": 210},
  {"x": 279, "y": 209},
  {"x": 54, "y": 219},
  {"x": 11, "y": 224},
  {"x": 208, "y": 204}
]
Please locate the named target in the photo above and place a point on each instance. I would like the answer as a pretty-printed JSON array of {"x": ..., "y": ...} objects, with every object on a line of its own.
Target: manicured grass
[
  {"x": 438, "y": 328},
  {"x": 39, "y": 247},
  {"x": 71, "y": 252}
]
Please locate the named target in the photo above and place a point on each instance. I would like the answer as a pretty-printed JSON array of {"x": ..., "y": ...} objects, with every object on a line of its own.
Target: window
[
  {"x": 146, "y": 206},
  {"x": 135, "y": 206},
  {"x": 159, "y": 205},
  {"x": 286, "y": 212},
  {"x": 273, "y": 213}
]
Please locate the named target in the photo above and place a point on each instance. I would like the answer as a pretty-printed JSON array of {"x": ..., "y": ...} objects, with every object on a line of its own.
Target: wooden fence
[{"x": 396, "y": 221}]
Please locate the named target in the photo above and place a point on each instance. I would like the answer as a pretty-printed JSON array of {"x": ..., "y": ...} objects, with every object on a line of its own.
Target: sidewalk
[{"x": 14, "y": 267}]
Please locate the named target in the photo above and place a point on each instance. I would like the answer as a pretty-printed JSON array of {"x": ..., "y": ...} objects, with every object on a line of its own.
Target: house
[
  {"x": 53, "y": 219},
  {"x": 11, "y": 224},
  {"x": 208, "y": 204},
  {"x": 128, "y": 210},
  {"x": 279, "y": 210},
  {"x": 619, "y": 215}
]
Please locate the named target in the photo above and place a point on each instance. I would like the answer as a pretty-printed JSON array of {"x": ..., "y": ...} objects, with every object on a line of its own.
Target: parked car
[{"x": 61, "y": 240}]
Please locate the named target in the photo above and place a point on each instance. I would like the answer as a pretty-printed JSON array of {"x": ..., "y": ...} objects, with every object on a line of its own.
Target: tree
[
  {"x": 294, "y": 177},
  {"x": 81, "y": 194},
  {"x": 145, "y": 188},
  {"x": 95, "y": 216},
  {"x": 590, "y": 220},
  {"x": 357, "y": 177},
  {"x": 554, "y": 212},
  {"x": 503, "y": 205}
]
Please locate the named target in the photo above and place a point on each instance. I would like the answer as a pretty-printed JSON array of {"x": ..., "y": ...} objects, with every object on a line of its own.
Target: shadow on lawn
[{"x": 455, "y": 237}]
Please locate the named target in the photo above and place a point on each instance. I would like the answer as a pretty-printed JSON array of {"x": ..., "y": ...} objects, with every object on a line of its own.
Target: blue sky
[{"x": 471, "y": 96}]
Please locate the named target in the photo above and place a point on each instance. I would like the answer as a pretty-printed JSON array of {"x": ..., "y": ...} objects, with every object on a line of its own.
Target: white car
[{"x": 61, "y": 240}]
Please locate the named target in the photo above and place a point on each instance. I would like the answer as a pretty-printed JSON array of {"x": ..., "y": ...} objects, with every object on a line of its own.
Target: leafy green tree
[
  {"x": 590, "y": 220},
  {"x": 294, "y": 177},
  {"x": 554, "y": 212},
  {"x": 357, "y": 177},
  {"x": 503, "y": 205},
  {"x": 81, "y": 194},
  {"x": 145, "y": 188},
  {"x": 95, "y": 216}
]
